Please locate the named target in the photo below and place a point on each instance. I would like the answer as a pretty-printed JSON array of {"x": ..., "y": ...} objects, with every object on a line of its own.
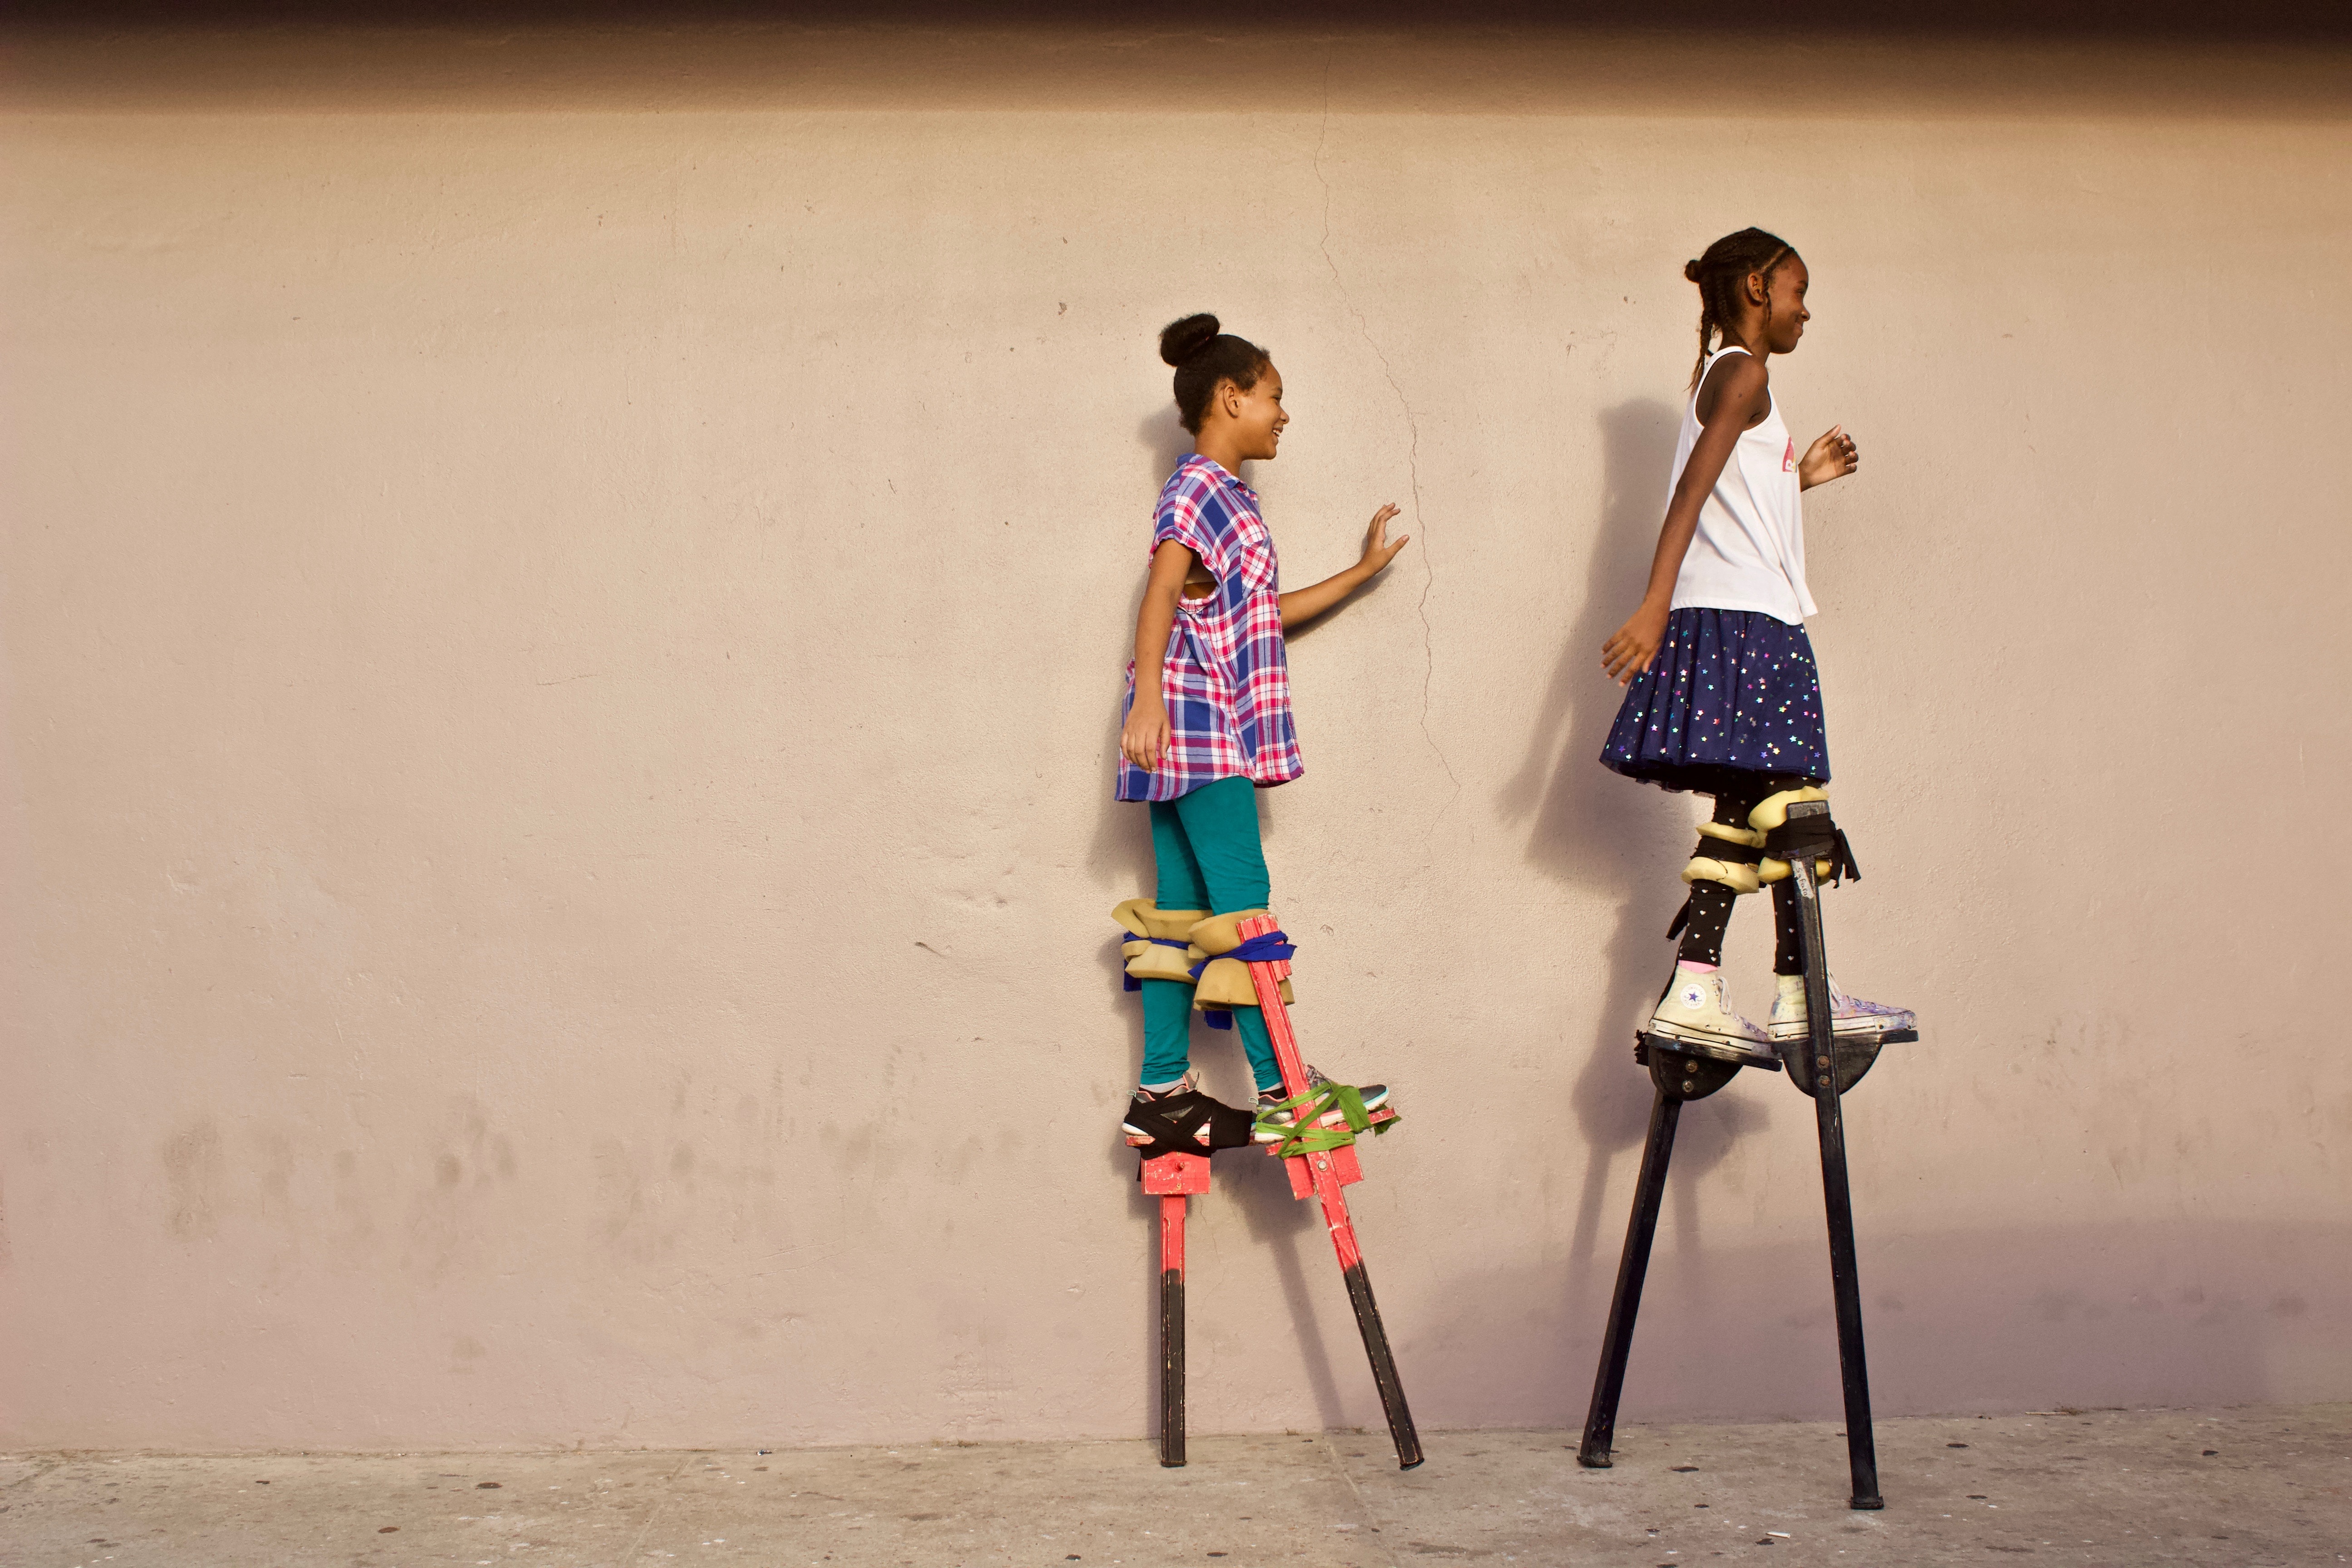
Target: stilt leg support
[
  {"x": 1681, "y": 1072},
  {"x": 1171, "y": 1330},
  {"x": 1617, "y": 1340},
  {"x": 1821, "y": 1073},
  {"x": 1327, "y": 1181},
  {"x": 1169, "y": 1178}
]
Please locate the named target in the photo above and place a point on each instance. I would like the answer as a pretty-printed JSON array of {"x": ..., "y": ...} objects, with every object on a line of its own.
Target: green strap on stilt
[{"x": 1307, "y": 1135}]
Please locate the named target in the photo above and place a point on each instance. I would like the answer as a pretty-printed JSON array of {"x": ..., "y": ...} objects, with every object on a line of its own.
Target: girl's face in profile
[
  {"x": 1256, "y": 414},
  {"x": 1786, "y": 322}
]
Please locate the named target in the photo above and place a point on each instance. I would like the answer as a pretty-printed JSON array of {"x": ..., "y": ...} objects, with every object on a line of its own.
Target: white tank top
[{"x": 1749, "y": 551}]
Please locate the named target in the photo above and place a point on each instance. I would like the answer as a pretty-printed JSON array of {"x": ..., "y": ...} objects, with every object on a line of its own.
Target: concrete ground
[{"x": 2236, "y": 1489}]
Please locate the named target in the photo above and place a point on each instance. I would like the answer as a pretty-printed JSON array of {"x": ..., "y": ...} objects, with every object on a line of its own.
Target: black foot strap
[{"x": 1174, "y": 1124}]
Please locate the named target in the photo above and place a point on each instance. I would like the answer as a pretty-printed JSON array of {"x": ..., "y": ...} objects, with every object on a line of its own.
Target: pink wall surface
[{"x": 562, "y": 603}]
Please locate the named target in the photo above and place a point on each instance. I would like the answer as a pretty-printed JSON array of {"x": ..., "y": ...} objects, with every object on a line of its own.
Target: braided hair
[
  {"x": 1722, "y": 273},
  {"x": 1203, "y": 356}
]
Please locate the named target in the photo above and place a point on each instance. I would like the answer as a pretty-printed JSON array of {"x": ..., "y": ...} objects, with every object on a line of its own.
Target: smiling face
[
  {"x": 1256, "y": 417},
  {"x": 1784, "y": 314}
]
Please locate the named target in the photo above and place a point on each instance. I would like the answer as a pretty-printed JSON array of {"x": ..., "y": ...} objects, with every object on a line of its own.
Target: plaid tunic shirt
[{"x": 1225, "y": 678}]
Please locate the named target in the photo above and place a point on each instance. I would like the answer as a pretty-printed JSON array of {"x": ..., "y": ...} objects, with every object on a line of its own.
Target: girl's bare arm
[
  {"x": 1145, "y": 735},
  {"x": 1304, "y": 604},
  {"x": 1725, "y": 403}
]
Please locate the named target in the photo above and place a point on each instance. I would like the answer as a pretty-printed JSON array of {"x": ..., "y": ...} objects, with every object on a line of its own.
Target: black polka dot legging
[{"x": 1709, "y": 911}]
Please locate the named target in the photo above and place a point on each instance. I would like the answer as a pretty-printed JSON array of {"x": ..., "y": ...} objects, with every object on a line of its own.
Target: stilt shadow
[
  {"x": 1602, "y": 833},
  {"x": 1121, "y": 853}
]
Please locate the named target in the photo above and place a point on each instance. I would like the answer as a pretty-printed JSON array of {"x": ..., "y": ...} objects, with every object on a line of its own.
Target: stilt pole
[
  {"x": 1324, "y": 1173},
  {"x": 1170, "y": 1178},
  {"x": 1822, "y": 1072},
  {"x": 1617, "y": 1340},
  {"x": 1680, "y": 1072},
  {"x": 1172, "y": 1330}
]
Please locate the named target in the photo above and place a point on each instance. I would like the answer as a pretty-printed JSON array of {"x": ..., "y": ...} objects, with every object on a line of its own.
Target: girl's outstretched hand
[
  {"x": 1832, "y": 456},
  {"x": 1145, "y": 735},
  {"x": 1378, "y": 548},
  {"x": 1631, "y": 647}
]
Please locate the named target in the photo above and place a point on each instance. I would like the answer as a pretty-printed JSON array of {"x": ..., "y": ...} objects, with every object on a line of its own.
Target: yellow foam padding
[
  {"x": 1220, "y": 934},
  {"x": 1738, "y": 878},
  {"x": 1778, "y": 870},
  {"x": 1145, "y": 918},
  {"x": 1751, "y": 836},
  {"x": 1225, "y": 983},
  {"x": 1152, "y": 960},
  {"x": 1772, "y": 811}
]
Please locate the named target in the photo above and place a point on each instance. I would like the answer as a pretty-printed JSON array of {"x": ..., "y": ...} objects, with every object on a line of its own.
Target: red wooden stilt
[
  {"x": 1323, "y": 1175},
  {"x": 1169, "y": 1178}
]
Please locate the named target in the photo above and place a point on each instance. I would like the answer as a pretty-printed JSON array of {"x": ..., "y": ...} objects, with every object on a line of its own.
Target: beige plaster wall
[{"x": 562, "y": 614}]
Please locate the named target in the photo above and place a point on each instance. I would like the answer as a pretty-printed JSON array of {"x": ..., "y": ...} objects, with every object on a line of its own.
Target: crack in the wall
[{"x": 1412, "y": 452}]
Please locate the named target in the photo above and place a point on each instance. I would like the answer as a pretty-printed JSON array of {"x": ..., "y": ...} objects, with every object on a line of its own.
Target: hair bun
[
  {"x": 1180, "y": 340},
  {"x": 1691, "y": 270}
]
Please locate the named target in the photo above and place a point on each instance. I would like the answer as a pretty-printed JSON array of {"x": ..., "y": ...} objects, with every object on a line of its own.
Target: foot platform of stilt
[
  {"x": 1854, "y": 1056},
  {"x": 1683, "y": 1070}
]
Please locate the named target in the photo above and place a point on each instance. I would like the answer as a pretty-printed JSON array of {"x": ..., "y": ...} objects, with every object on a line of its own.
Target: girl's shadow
[{"x": 1602, "y": 833}]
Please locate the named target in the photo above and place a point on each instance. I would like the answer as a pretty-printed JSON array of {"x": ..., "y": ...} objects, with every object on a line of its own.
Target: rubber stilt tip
[
  {"x": 1867, "y": 1504},
  {"x": 1591, "y": 1463}
]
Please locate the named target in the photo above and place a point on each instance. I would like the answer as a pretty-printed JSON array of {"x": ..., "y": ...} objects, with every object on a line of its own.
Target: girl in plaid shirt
[{"x": 1208, "y": 724}]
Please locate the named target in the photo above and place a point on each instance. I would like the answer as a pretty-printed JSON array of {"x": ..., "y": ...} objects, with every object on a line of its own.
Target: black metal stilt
[
  {"x": 1828, "y": 1083},
  {"x": 1617, "y": 1340},
  {"x": 1824, "y": 1066},
  {"x": 1680, "y": 1071}
]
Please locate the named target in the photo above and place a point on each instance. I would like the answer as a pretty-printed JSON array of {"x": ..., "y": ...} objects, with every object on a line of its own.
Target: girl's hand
[
  {"x": 1831, "y": 458},
  {"x": 1145, "y": 735},
  {"x": 1378, "y": 550},
  {"x": 1630, "y": 649}
]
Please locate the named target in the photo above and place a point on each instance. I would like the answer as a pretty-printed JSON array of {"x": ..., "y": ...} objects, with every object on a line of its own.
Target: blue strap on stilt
[
  {"x": 1263, "y": 949},
  {"x": 1135, "y": 984}
]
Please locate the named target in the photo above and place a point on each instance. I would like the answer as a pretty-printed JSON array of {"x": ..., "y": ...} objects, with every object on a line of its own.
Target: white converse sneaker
[
  {"x": 1696, "y": 1010},
  {"x": 1849, "y": 1016}
]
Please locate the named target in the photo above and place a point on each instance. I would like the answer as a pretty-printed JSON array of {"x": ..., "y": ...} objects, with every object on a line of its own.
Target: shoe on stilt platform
[
  {"x": 1851, "y": 1017},
  {"x": 1694, "y": 1011},
  {"x": 1275, "y": 1117},
  {"x": 1183, "y": 1120}
]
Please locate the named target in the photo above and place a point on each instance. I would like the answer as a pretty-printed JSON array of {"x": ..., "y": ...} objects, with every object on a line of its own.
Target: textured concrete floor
[{"x": 2236, "y": 1489}]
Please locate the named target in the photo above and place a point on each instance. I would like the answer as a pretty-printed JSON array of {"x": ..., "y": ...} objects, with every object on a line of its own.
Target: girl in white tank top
[
  {"x": 1721, "y": 692},
  {"x": 1748, "y": 553}
]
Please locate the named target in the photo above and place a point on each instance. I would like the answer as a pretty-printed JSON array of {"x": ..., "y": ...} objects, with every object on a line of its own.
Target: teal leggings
[{"x": 1207, "y": 848}]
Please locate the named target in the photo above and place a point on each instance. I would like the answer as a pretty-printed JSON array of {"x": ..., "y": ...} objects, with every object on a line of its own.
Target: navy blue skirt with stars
[{"x": 1730, "y": 692}]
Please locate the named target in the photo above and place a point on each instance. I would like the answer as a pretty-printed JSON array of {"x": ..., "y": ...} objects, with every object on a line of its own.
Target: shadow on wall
[{"x": 1609, "y": 836}]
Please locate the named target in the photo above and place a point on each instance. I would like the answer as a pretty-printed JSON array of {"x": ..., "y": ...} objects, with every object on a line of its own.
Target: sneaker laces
[{"x": 1185, "y": 1085}]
